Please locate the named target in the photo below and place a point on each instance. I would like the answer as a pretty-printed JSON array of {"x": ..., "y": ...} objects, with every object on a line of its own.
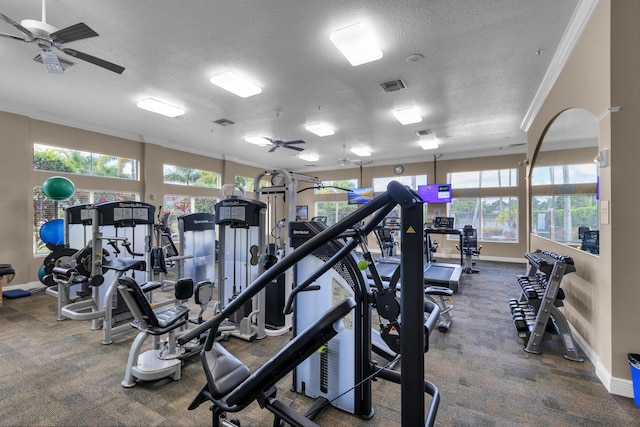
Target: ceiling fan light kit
[{"x": 47, "y": 37}]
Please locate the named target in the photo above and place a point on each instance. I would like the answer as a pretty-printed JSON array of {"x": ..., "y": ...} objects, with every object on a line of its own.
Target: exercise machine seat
[
  {"x": 125, "y": 264},
  {"x": 6, "y": 270},
  {"x": 225, "y": 371},
  {"x": 154, "y": 323}
]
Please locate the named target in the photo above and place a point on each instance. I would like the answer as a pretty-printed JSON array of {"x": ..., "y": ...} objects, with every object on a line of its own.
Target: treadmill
[{"x": 434, "y": 273}]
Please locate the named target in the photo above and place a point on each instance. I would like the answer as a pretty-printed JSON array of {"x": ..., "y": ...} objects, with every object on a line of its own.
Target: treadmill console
[{"x": 443, "y": 222}]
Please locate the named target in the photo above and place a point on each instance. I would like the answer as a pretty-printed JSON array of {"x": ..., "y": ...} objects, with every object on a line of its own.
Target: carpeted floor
[{"x": 58, "y": 373}]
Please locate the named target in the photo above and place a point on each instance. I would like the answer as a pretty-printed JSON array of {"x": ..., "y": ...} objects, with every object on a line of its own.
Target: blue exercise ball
[
  {"x": 58, "y": 188},
  {"x": 41, "y": 273},
  {"x": 53, "y": 232}
]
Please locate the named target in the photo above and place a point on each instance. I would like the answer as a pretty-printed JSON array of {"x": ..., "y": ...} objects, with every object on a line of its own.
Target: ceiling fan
[
  {"x": 47, "y": 37},
  {"x": 344, "y": 160},
  {"x": 285, "y": 144}
]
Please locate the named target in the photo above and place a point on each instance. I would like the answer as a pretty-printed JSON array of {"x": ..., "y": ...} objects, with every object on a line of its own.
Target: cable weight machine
[
  {"x": 241, "y": 224},
  {"x": 279, "y": 189}
]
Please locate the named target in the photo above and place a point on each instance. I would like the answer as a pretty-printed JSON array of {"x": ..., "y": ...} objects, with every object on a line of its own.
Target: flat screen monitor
[
  {"x": 360, "y": 196},
  {"x": 435, "y": 193}
]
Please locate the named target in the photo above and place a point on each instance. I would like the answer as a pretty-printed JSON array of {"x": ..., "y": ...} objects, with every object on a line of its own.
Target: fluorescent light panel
[
  {"x": 357, "y": 44},
  {"x": 429, "y": 143},
  {"x": 408, "y": 115},
  {"x": 362, "y": 152},
  {"x": 258, "y": 140},
  {"x": 235, "y": 84},
  {"x": 320, "y": 129},
  {"x": 159, "y": 107},
  {"x": 309, "y": 157}
]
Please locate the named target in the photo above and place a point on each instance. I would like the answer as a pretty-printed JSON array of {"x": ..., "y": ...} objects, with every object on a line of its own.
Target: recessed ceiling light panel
[
  {"x": 320, "y": 129},
  {"x": 429, "y": 144},
  {"x": 362, "y": 152},
  {"x": 408, "y": 115},
  {"x": 159, "y": 107},
  {"x": 235, "y": 84},
  {"x": 309, "y": 157},
  {"x": 357, "y": 43},
  {"x": 428, "y": 141},
  {"x": 258, "y": 140}
]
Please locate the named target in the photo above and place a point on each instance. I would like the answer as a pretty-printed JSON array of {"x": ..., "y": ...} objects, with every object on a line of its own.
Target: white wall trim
[
  {"x": 617, "y": 386},
  {"x": 577, "y": 24}
]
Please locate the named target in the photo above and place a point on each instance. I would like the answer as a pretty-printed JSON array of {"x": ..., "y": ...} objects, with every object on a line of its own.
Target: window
[
  {"x": 55, "y": 159},
  {"x": 380, "y": 184},
  {"x": 496, "y": 218},
  {"x": 178, "y": 175},
  {"x": 249, "y": 183},
  {"x": 178, "y": 205},
  {"x": 245, "y": 182},
  {"x": 484, "y": 179},
  {"x": 559, "y": 217},
  {"x": 564, "y": 199},
  {"x": 565, "y": 174},
  {"x": 44, "y": 209},
  {"x": 334, "y": 187},
  {"x": 334, "y": 211}
]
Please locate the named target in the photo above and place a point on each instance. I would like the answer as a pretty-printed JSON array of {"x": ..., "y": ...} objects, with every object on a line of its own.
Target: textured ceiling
[{"x": 477, "y": 80}]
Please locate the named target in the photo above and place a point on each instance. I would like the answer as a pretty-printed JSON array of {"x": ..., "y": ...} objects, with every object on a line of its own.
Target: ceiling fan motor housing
[{"x": 38, "y": 28}]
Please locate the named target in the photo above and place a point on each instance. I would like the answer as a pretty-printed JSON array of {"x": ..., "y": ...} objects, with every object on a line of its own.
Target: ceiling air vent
[
  {"x": 223, "y": 122},
  {"x": 393, "y": 85},
  {"x": 63, "y": 62}
]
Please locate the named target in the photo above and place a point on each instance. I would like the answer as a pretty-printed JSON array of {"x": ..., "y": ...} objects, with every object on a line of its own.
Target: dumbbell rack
[{"x": 536, "y": 312}]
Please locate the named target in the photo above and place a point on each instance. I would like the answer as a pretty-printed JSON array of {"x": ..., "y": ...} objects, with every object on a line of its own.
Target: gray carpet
[{"x": 58, "y": 373}]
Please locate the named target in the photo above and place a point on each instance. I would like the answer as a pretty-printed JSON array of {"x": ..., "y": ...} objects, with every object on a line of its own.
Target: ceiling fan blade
[
  {"x": 22, "y": 29},
  {"x": 75, "y": 32},
  {"x": 273, "y": 148},
  {"x": 92, "y": 59},
  {"x": 299, "y": 141},
  {"x": 51, "y": 62},
  {"x": 294, "y": 148},
  {"x": 14, "y": 37}
]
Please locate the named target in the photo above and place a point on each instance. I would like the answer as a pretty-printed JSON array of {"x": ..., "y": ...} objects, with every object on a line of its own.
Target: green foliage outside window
[
  {"x": 192, "y": 177},
  {"x": 55, "y": 159}
]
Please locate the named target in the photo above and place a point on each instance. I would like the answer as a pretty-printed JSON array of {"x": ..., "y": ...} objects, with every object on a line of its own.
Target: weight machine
[
  {"x": 280, "y": 196},
  {"x": 241, "y": 225},
  {"x": 79, "y": 274}
]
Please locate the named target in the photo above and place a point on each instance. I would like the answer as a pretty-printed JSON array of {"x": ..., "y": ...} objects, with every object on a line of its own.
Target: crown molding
[{"x": 577, "y": 24}]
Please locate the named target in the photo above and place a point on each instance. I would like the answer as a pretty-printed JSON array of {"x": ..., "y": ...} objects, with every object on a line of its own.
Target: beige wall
[
  {"x": 19, "y": 134},
  {"x": 603, "y": 72}
]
